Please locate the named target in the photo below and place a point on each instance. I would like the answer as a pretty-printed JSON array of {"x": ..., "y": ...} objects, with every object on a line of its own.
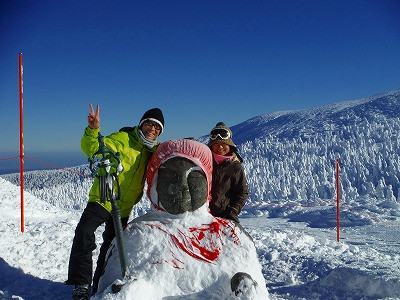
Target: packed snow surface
[{"x": 193, "y": 255}]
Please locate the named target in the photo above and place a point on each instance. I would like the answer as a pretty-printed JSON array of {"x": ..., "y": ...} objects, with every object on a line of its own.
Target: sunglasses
[
  {"x": 222, "y": 133},
  {"x": 151, "y": 124}
]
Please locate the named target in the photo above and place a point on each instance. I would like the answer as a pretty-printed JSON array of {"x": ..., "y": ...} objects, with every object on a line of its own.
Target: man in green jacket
[{"x": 135, "y": 146}]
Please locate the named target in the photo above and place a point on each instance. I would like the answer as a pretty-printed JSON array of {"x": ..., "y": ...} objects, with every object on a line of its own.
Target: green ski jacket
[{"x": 134, "y": 157}]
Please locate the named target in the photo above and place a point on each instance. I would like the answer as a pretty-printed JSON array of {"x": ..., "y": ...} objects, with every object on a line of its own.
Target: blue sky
[{"x": 199, "y": 61}]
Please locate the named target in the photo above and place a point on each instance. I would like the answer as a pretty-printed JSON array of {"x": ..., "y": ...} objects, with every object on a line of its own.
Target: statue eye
[
  {"x": 196, "y": 174},
  {"x": 196, "y": 179},
  {"x": 165, "y": 172}
]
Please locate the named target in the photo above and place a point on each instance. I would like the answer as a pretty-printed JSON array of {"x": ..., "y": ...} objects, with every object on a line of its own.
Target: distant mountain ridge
[{"x": 295, "y": 123}]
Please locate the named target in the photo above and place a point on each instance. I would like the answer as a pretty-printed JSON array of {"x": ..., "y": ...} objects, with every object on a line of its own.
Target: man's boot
[{"x": 81, "y": 292}]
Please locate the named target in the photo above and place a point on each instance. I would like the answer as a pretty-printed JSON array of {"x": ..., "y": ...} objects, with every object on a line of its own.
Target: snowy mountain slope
[
  {"x": 65, "y": 188},
  {"x": 294, "y": 153},
  {"x": 303, "y": 123}
]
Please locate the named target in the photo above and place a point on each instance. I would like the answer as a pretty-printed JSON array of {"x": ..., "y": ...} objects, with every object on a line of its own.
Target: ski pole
[{"x": 107, "y": 180}]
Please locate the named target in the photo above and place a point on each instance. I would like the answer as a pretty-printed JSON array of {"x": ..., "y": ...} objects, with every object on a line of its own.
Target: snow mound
[{"x": 188, "y": 256}]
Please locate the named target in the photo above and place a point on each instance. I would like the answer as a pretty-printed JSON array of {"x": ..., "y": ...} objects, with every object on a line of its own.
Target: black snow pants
[{"x": 80, "y": 262}]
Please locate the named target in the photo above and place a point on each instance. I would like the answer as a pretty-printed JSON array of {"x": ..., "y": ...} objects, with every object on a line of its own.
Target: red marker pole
[
  {"x": 21, "y": 141},
  {"x": 337, "y": 201}
]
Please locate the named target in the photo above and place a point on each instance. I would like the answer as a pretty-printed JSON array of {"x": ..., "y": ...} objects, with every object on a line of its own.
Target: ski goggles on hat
[{"x": 222, "y": 133}]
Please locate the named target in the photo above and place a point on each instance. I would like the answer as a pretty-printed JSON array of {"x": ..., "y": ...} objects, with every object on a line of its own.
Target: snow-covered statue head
[
  {"x": 179, "y": 250},
  {"x": 179, "y": 176}
]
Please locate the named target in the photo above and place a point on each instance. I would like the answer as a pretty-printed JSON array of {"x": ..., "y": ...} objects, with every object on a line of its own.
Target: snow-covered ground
[{"x": 298, "y": 261}]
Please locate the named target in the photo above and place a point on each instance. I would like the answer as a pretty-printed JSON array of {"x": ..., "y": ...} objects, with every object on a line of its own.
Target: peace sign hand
[{"x": 94, "y": 118}]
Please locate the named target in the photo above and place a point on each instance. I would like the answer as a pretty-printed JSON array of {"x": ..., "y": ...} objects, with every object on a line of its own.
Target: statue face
[{"x": 181, "y": 185}]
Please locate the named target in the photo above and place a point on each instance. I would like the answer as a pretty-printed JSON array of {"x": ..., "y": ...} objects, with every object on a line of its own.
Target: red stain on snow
[{"x": 203, "y": 243}]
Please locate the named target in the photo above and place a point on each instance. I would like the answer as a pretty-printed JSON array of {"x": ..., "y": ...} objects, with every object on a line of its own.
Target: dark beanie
[{"x": 155, "y": 115}]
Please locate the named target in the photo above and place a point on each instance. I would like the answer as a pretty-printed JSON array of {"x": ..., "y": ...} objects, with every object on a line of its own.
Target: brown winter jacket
[{"x": 229, "y": 189}]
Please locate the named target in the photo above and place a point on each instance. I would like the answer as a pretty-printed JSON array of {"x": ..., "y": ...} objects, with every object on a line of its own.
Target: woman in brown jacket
[{"x": 229, "y": 185}]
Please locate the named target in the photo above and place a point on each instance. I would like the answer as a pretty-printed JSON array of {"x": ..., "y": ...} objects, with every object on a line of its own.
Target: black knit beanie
[{"x": 155, "y": 115}]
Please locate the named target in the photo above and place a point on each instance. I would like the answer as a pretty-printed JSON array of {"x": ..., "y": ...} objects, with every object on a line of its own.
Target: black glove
[{"x": 232, "y": 214}]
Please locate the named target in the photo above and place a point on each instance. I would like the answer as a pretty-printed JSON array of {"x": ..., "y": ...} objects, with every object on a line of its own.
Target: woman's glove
[{"x": 232, "y": 214}]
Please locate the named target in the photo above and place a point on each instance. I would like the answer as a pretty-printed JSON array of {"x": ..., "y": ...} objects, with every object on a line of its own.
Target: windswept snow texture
[
  {"x": 291, "y": 215},
  {"x": 193, "y": 254}
]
